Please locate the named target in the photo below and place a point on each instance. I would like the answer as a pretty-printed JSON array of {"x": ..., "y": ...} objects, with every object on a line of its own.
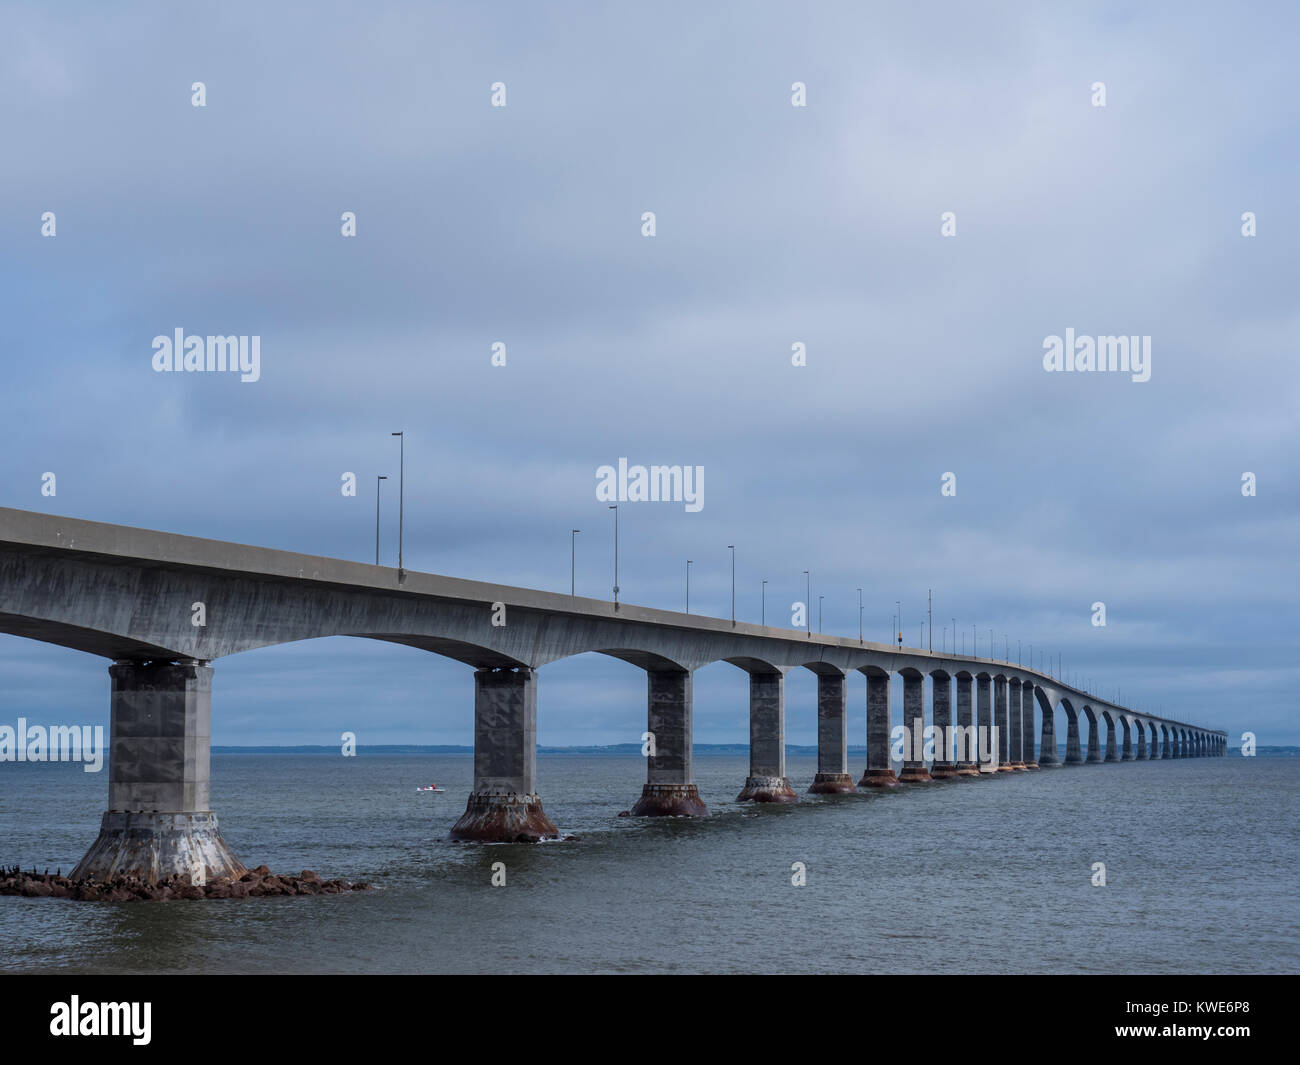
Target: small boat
[{"x": 431, "y": 787}]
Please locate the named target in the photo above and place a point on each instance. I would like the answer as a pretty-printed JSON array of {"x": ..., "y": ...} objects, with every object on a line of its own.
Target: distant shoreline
[{"x": 612, "y": 749}]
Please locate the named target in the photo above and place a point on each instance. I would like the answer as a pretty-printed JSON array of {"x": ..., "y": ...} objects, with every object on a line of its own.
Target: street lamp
[
  {"x": 688, "y": 584},
  {"x": 573, "y": 559},
  {"x": 819, "y": 612},
  {"x": 732, "y": 549},
  {"x": 899, "y": 618},
  {"x": 859, "y": 615},
  {"x": 381, "y": 477},
  {"x": 764, "y": 591},
  {"x": 614, "y": 508},
  {"x": 401, "y": 500},
  {"x": 807, "y": 599}
]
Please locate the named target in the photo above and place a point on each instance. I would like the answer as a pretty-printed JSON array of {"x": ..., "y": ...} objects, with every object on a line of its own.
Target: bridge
[{"x": 164, "y": 607}]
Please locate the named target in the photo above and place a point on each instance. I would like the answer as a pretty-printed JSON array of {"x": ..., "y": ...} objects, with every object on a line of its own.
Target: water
[{"x": 986, "y": 875}]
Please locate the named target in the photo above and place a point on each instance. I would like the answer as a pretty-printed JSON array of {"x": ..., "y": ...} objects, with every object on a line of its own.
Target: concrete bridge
[{"x": 137, "y": 597}]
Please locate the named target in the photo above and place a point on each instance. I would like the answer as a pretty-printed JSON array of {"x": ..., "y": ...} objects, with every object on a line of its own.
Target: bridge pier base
[
  {"x": 832, "y": 738},
  {"x": 504, "y": 806},
  {"x": 767, "y": 781},
  {"x": 670, "y": 790},
  {"x": 158, "y": 824}
]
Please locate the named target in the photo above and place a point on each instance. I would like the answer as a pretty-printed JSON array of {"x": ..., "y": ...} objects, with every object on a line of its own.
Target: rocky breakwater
[{"x": 255, "y": 884}]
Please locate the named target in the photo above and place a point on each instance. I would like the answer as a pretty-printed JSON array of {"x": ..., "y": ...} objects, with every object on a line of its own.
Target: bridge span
[{"x": 164, "y": 607}]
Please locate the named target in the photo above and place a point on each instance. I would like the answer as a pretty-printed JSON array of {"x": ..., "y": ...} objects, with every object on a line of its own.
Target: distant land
[{"x": 616, "y": 748}]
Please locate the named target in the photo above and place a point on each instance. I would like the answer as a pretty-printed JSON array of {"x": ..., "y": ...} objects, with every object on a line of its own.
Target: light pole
[
  {"x": 859, "y": 615},
  {"x": 764, "y": 591},
  {"x": 929, "y": 599},
  {"x": 943, "y": 639},
  {"x": 807, "y": 598},
  {"x": 898, "y": 603},
  {"x": 732, "y": 549},
  {"x": 381, "y": 477},
  {"x": 614, "y": 508},
  {"x": 954, "y": 636},
  {"x": 688, "y": 584},
  {"x": 401, "y": 500},
  {"x": 573, "y": 560},
  {"x": 819, "y": 612}
]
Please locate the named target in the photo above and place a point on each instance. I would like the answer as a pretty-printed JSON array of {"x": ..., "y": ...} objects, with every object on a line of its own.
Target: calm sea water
[{"x": 986, "y": 875}]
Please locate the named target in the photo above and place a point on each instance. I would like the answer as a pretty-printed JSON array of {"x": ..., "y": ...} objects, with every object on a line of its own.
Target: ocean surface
[{"x": 973, "y": 875}]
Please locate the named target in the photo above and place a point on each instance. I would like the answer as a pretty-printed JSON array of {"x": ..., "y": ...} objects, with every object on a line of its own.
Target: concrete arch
[
  {"x": 823, "y": 669},
  {"x": 754, "y": 665}
]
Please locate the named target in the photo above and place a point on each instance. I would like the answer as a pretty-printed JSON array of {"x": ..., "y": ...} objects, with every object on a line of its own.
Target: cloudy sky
[{"x": 775, "y": 225}]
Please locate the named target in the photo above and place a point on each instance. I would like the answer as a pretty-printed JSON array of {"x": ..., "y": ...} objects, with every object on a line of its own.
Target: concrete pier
[
  {"x": 504, "y": 806},
  {"x": 1073, "y": 748},
  {"x": 880, "y": 772},
  {"x": 967, "y": 741},
  {"x": 1002, "y": 711},
  {"x": 158, "y": 822},
  {"x": 1016, "y": 732},
  {"x": 1170, "y": 748},
  {"x": 1141, "y": 743},
  {"x": 944, "y": 764},
  {"x": 1048, "y": 753},
  {"x": 670, "y": 789},
  {"x": 986, "y": 742},
  {"x": 767, "y": 781},
  {"x": 1027, "y": 723},
  {"x": 1094, "y": 736},
  {"x": 832, "y": 738},
  {"x": 1112, "y": 740},
  {"x": 914, "y": 771}
]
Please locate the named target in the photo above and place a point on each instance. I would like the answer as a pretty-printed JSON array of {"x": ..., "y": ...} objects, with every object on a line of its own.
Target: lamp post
[
  {"x": 381, "y": 477},
  {"x": 859, "y": 615},
  {"x": 807, "y": 598},
  {"x": 401, "y": 499},
  {"x": 764, "y": 591},
  {"x": 732, "y": 549},
  {"x": 573, "y": 559},
  {"x": 614, "y": 508},
  {"x": 819, "y": 612},
  {"x": 899, "y": 617},
  {"x": 688, "y": 584}
]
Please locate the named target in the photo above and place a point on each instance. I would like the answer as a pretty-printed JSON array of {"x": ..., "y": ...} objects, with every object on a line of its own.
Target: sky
[{"x": 774, "y": 225}]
